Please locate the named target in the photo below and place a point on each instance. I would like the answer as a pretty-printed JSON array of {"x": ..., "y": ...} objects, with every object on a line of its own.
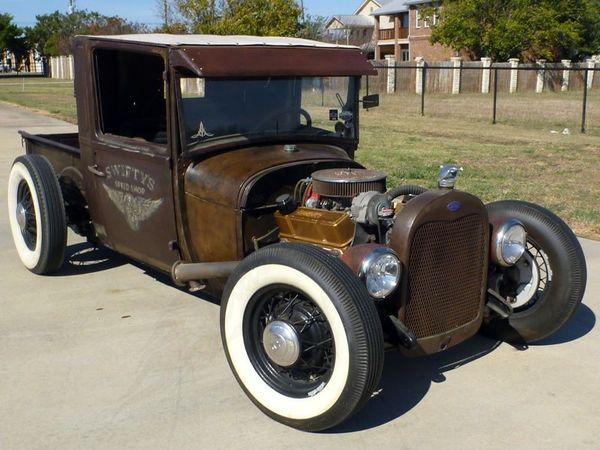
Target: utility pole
[{"x": 166, "y": 14}]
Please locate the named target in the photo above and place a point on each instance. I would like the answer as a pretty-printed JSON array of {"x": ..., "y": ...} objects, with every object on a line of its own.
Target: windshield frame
[{"x": 240, "y": 140}]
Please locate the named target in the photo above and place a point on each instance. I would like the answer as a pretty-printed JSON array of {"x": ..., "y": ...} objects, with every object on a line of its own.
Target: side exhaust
[{"x": 183, "y": 273}]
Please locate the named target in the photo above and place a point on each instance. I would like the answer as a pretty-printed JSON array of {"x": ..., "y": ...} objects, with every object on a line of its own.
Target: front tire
[
  {"x": 301, "y": 335},
  {"x": 547, "y": 283},
  {"x": 36, "y": 214}
]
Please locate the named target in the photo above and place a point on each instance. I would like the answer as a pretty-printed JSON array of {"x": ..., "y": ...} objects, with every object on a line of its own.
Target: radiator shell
[{"x": 442, "y": 240}]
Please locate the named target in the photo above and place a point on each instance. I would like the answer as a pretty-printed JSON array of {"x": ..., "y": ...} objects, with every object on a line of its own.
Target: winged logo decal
[{"x": 135, "y": 209}]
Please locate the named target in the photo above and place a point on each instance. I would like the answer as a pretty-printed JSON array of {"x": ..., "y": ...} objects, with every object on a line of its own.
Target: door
[{"x": 133, "y": 186}]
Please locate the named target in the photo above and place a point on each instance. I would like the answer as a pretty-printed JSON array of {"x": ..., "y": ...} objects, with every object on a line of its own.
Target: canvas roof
[{"x": 208, "y": 40}]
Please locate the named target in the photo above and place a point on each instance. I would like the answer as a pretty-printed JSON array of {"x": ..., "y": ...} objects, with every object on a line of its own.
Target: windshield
[{"x": 219, "y": 108}]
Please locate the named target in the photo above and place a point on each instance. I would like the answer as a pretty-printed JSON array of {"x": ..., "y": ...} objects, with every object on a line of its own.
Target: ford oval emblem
[{"x": 454, "y": 205}]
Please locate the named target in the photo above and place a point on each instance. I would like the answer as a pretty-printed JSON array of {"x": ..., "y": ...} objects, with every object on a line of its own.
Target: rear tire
[
  {"x": 36, "y": 214},
  {"x": 328, "y": 361},
  {"x": 556, "y": 274}
]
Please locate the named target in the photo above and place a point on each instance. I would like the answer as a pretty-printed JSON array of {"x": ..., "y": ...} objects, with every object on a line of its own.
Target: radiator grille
[{"x": 445, "y": 275}]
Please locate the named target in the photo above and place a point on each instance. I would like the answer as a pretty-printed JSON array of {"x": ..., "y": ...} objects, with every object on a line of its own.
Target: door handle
[{"x": 95, "y": 171}]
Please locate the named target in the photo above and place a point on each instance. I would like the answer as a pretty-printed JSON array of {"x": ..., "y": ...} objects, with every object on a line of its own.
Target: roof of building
[
  {"x": 393, "y": 7},
  {"x": 353, "y": 21},
  {"x": 397, "y": 6},
  {"x": 379, "y": 3},
  {"x": 207, "y": 39}
]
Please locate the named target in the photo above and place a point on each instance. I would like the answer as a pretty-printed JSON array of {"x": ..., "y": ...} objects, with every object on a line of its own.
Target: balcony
[{"x": 388, "y": 34}]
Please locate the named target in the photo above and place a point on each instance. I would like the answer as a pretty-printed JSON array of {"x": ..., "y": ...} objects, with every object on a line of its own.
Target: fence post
[
  {"x": 586, "y": 74},
  {"x": 514, "y": 75},
  {"x": 61, "y": 67},
  {"x": 539, "y": 85},
  {"x": 564, "y": 85},
  {"x": 71, "y": 68},
  {"x": 495, "y": 104},
  {"x": 419, "y": 74},
  {"x": 391, "y": 73},
  {"x": 485, "y": 75},
  {"x": 456, "y": 73},
  {"x": 591, "y": 63}
]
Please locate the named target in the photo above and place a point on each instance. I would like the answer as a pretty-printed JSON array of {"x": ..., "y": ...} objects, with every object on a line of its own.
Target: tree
[
  {"x": 171, "y": 20},
  {"x": 200, "y": 16},
  {"x": 262, "y": 17},
  {"x": 526, "y": 29},
  {"x": 257, "y": 17},
  {"x": 312, "y": 27},
  {"x": 12, "y": 39},
  {"x": 52, "y": 33}
]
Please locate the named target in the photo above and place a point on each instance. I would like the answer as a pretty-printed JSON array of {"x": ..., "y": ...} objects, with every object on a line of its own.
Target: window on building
[
  {"x": 418, "y": 21},
  {"x": 404, "y": 20},
  {"x": 131, "y": 94}
]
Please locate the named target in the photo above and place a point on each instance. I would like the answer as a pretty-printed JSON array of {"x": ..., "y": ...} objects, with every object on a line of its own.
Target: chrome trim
[
  {"x": 371, "y": 258},
  {"x": 447, "y": 176},
  {"x": 498, "y": 237},
  {"x": 281, "y": 343},
  {"x": 22, "y": 216}
]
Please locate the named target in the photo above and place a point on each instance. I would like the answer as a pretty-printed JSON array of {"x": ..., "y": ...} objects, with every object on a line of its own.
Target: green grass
[
  {"x": 46, "y": 95},
  {"x": 518, "y": 158}
]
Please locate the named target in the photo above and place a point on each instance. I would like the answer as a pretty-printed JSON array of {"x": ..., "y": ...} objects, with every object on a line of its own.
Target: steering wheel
[{"x": 283, "y": 112}]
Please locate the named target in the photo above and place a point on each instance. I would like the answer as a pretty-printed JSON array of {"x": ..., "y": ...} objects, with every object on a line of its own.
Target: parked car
[{"x": 228, "y": 163}]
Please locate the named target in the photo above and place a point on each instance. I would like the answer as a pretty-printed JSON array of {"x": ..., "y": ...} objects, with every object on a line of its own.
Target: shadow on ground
[
  {"x": 580, "y": 324},
  {"x": 406, "y": 381},
  {"x": 85, "y": 258}
]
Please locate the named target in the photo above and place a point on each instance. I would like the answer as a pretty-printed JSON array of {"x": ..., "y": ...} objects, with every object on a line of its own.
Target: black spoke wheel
[
  {"x": 26, "y": 212},
  {"x": 37, "y": 214},
  {"x": 301, "y": 335},
  {"x": 312, "y": 362},
  {"x": 548, "y": 282}
]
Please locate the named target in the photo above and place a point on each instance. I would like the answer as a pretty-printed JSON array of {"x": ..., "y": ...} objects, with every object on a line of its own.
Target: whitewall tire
[
  {"x": 36, "y": 214},
  {"x": 301, "y": 335}
]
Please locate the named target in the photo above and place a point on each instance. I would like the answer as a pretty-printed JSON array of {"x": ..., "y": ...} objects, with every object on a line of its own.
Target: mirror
[{"x": 370, "y": 101}]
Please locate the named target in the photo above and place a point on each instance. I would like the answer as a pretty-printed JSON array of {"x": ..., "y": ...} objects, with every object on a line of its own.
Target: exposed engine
[
  {"x": 349, "y": 206},
  {"x": 360, "y": 192}
]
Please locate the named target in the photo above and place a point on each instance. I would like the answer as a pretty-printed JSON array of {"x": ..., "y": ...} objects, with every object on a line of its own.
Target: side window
[{"x": 131, "y": 95}]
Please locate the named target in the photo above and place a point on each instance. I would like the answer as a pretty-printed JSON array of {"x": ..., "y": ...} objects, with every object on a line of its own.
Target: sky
[{"x": 24, "y": 11}]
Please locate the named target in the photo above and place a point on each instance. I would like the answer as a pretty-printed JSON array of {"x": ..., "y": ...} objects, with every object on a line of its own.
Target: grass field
[
  {"x": 519, "y": 158},
  {"x": 42, "y": 94}
]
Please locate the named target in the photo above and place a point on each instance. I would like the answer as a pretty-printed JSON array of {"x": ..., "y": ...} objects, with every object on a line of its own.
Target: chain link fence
[{"x": 561, "y": 97}]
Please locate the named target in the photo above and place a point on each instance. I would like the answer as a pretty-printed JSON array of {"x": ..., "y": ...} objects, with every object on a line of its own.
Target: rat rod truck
[{"x": 228, "y": 162}]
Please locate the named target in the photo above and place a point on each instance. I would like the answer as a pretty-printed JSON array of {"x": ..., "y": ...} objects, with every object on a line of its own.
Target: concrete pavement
[{"x": 108, "y": 355}]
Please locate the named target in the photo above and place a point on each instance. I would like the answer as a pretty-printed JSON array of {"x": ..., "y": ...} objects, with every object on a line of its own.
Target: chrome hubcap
[
  {"x": 529, "y": 287},
  {"x": 21, "y": 216},
  {"x": 281, "y": 343}
]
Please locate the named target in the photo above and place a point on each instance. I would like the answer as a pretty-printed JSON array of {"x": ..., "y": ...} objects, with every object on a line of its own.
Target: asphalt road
[{"x": 108, "y": 355}]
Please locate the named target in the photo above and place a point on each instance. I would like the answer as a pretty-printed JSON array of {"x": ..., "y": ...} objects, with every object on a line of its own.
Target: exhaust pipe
[{"x": 183, "y": 273}]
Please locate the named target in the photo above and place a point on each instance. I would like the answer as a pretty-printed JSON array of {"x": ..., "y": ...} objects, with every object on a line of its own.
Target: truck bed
[{"x": 61, "y": 149}]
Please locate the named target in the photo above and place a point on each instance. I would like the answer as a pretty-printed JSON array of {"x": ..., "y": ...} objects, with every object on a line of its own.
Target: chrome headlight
[
  {"x": 509, "y": 242},
  {"x": 380, "y": 271}
]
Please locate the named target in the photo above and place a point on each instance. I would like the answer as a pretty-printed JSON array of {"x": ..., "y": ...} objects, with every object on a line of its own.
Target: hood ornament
[{"x": 448, "y": 175}]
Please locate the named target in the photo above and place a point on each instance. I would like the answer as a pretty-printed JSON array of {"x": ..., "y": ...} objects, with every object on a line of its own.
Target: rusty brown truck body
[{"x": 228, "y": 163}]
